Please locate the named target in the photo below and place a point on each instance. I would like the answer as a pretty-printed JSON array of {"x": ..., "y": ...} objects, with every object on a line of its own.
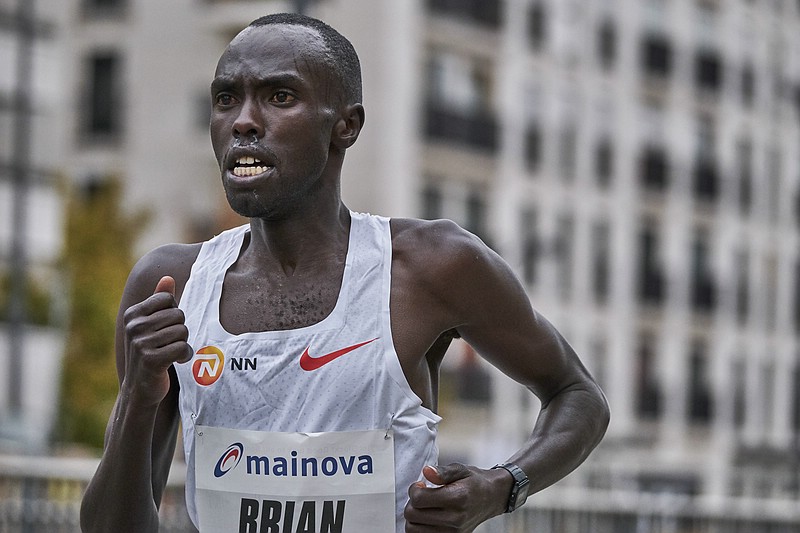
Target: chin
[{"x": 248, "y": 206}]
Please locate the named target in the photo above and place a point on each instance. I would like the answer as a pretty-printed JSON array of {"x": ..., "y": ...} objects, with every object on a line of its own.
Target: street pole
[{"x": 21, "y": 174}]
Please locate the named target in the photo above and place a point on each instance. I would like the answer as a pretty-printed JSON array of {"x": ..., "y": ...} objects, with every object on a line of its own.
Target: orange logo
[{"x": 207, "y": 366}]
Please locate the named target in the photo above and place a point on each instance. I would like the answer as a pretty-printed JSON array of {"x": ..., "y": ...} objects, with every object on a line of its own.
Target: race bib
[{"x": 259, "y": 482}]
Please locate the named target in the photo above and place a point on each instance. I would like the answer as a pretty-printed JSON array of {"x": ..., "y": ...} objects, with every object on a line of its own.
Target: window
[
  {"x": 656, "y": 56},
  {"x": 743, "y": 286},
  {"x": 483, "y": 12},
  {"x": 533, "y": 147},
  {"x": 654, "y": 168},
  {"x": 458, "y": 106},
  {"x": 648, "y": 388},
  {"x": 651, "y": 279},
  {"x": 600, "y": 261},
  {"x": 706, "y": 180},
  {"x": 702, "y": 285},
  {"x": 744, "y": 156},
  {"x": 102, "y": 120},
  {"x": 607, "y": 44},
  {"x": 104, "y": 7},
  {"x": 700, "y": 401},
  {"x": 708, "y": 70},
  {"x": 537, "y": 26},
  {"x": 604, "y": 161}
]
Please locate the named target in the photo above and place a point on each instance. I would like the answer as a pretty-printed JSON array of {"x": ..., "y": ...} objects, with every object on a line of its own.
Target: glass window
[
  {"x": 656, "y": 55},
  {"x": 703, "y": 293},
  {"x": 533, "y": 147},
  {"x": 651, "y": 278},
  {"x": 604, "y": 161},
  {"x": 102, "y": 118},
  {"x": 648, "y": 387},
  {"x": 601, "y": 261},
  {"x": 607, "y": 44},
  {"x": 700, "y": 399},
  {"x": 654, "y": 168},
  {"x": 537, "y": 26},
  {"x": 708, "y": 70}
]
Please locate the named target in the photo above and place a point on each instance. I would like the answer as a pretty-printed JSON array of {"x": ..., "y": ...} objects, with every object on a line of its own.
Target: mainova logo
[
  {"x": 229, "y": 459},
  {"x": 208, "y": 365}
]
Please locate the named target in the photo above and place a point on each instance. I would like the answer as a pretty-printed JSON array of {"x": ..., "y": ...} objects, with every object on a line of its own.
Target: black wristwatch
[{"x": 519, "y": 490}]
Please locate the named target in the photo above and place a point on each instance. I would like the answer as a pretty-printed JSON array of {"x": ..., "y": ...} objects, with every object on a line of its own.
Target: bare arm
[
  {"x": 462, "y": 284},
  {"x": 126, "y": 490}
]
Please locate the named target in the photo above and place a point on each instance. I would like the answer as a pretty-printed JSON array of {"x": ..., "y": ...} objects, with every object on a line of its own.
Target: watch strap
[{"x": 519, "y": 490}]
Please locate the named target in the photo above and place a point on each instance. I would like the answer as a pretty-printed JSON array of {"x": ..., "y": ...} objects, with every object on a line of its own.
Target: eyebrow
[{"x": 279, "y": 79}]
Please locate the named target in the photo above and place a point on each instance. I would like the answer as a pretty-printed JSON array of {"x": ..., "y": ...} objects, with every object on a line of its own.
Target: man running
[{"x": 300, "y": 352}]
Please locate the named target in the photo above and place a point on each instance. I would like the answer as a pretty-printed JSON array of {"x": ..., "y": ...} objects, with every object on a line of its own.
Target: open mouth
[{"x": 249, "y": 166}]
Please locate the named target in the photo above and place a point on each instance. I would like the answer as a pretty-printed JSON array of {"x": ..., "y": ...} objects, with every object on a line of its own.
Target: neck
[{"x": 299, "y": 242}]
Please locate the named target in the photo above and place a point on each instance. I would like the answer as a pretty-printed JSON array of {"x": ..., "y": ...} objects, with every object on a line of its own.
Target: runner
[{"x": 301, "y": 351}]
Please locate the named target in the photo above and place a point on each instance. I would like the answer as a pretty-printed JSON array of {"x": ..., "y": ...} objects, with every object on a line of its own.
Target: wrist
[{"x": 517, "y": 492}]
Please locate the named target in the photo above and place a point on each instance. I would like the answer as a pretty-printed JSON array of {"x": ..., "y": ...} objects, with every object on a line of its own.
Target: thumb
[
  {"x": 443, "y": 475},
  {"x": 165, "y": 284}
]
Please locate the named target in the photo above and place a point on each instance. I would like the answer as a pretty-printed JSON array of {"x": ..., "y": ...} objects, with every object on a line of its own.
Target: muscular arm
[
  {"x": 461, "y": 284},
  {"x": 126, "y": 490}
]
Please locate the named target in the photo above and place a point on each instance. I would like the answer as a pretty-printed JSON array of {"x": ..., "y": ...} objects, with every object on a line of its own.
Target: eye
[
  {"x": 224, "y": 100},
  {"x": 282, "y": 97}
]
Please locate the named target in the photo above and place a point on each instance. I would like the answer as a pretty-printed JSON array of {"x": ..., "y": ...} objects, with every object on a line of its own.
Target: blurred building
[
  {"x": 635, "y": 161},
  {"x": 32, "y": 98}
]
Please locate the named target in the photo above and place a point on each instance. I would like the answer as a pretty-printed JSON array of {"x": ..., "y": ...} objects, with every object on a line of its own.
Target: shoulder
[
  {"x": 439, "y": 246},
  {"x": 419, "y": 238},
  {"x": 446, "y": 260},
  {"x": 174, "y": 260}
]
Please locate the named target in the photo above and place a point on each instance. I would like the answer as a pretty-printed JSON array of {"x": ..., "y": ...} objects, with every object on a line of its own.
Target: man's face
[{"x": 271, "y": 119}]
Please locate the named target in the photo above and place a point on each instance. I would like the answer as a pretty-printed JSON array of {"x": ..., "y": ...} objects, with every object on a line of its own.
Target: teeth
[
  {"x": 247, "y": 160},
  {"x": 248, "y": 171}
]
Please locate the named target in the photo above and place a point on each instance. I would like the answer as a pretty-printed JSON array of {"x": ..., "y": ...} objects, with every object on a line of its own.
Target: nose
[{"x": 249, "y": 122}]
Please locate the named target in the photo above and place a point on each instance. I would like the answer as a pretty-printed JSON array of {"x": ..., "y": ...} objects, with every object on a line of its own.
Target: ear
[{"x": 347, "y": 128}]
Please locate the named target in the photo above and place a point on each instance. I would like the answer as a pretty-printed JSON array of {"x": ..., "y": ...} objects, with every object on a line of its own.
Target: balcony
[
  {"x": 473, "y": 131},
  {"x": 482, "y": 12}
]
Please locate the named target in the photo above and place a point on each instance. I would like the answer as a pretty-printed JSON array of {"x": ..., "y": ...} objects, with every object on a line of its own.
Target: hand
[
  {"x": 465, "y": 497},
  {"x": 155, "y": 337}
]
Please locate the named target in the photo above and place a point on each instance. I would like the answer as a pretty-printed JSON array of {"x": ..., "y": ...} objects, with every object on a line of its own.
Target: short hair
[{"x": 341, "y": 56}]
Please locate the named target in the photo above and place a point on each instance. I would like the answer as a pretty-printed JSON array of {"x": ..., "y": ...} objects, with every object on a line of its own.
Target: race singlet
[{"x": 259, "y": 482}]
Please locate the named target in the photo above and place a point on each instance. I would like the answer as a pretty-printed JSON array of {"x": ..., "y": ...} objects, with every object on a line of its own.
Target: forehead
[{"x": 257, "y": 50}]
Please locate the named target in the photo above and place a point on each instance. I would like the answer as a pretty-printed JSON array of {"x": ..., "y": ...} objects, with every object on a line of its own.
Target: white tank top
[{"x": 261, "y": 386}]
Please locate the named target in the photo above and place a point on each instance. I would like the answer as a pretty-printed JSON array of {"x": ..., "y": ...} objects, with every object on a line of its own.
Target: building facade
[
  {"x": 31, "y": 219},
  {"x": 635, "y": 161}
]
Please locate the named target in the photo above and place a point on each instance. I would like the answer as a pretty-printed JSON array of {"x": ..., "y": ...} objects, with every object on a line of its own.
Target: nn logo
[
  {"x": 208, "y": 365},
  {"x": 243, "y": 363},
  {"x": 229, "y": 459}
]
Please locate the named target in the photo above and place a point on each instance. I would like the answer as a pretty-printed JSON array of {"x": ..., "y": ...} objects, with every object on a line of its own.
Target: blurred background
[{"x": 637, "y": 162}]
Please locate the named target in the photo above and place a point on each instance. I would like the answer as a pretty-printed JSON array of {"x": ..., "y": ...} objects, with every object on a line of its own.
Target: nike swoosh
[{"x": 309, "y": 363}]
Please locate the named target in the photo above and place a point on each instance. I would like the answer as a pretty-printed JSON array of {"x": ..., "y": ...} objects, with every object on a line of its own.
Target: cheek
[{"x": 218, "y": 138}]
